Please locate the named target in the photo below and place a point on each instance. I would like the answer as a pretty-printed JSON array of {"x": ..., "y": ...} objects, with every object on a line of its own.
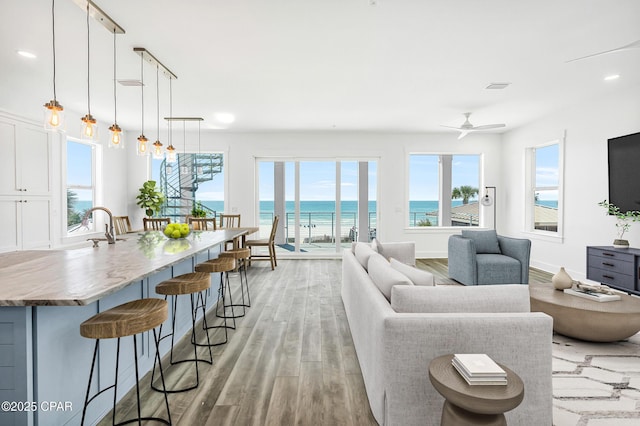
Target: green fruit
[
  {"x": 168, "y": 231},
  {"x": 176, "y": 234}
]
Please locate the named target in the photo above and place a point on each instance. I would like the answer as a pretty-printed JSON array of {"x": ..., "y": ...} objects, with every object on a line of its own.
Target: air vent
[
  {"x": 498, "y": 86},
  {"x": 130, "y": 82}
]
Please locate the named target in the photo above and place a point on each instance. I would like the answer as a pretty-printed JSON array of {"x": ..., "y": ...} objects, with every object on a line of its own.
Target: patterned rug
[{"x": 596, "y": 384}]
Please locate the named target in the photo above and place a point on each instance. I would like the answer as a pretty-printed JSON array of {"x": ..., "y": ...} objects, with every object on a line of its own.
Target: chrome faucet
[{"x": 109, "y": 232}]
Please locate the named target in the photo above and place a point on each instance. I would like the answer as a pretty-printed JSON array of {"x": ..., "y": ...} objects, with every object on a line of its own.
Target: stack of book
[{"x": 479, "y": 369}]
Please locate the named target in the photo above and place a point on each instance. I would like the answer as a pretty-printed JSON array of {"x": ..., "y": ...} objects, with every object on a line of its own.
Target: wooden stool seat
[
  {"x": 193, "y": 282},
  {"x": 221, "y": 264},
  {"x": 240, "y": 253},
  {"x": 127, "y": 319}
]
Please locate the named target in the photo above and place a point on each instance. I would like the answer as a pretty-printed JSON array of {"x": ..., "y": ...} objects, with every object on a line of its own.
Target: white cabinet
[
  {"x": 25, "y": 186},
  {"x": 32, "y": 224},
  {"x": 27, "y": 150}
]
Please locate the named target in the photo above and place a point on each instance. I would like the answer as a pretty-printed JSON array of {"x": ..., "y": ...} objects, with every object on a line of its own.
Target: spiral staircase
[{"x": 180, "y": 188}]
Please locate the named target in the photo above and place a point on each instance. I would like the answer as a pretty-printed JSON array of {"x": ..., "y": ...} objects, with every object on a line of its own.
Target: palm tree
[{"x": 465, "y": 192}]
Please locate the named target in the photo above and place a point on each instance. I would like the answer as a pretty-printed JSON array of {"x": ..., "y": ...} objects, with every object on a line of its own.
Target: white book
[
  {"x": 592, "y": 295},
  {"x": 477, "y": 377},
  {"x": 477, "y": 365},
  {"x": 480, "y": 381}
]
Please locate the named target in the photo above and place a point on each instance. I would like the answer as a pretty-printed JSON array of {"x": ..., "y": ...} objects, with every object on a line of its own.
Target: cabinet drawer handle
[
  {"x": 608, "y": 254},
  {"x": 608, "y": 264},
  {"x": 608, "y": 276}
]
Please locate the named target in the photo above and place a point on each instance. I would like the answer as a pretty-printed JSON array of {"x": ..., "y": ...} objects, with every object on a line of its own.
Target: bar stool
[
  {"x": 221, "y": 265},
  {"x": 241, "y": 255},
  {"x": 193, "y": 284},
  {"x": 128, "y": 319}
]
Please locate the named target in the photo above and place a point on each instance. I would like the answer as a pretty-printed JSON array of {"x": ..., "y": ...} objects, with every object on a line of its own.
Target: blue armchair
[{"x": 483, "y": 257}]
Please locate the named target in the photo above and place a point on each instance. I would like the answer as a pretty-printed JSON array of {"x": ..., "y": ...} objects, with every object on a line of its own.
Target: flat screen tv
[{"x": 624, "y": 172}]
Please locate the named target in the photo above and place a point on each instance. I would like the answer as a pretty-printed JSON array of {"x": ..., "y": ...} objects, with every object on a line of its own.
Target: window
[
  {"x": 80, "y": 185},
  {"x": 545, "y": 188},
  {"x": 443, "y": 190}
]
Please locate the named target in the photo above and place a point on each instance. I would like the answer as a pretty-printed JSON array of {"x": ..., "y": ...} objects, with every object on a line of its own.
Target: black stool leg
[{"x": 86, "y": 399}]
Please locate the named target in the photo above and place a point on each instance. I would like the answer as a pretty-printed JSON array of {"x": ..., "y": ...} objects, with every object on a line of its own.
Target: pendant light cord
[
  {"x": 142, "y": 91},
  {"x": 170, "y": 111},
  {"x": 88, "y": 72},
  {"x": 158, "y": 101},
  {"x": 115, "y": 104},
  {"x": 53, "y": 38}
]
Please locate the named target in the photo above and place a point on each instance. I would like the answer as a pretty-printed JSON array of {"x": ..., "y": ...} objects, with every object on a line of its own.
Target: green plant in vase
[
  {"x": 149, "y": 198},
  {"x": 198, "y": 210},
  {"x": 623, "y": 221}
]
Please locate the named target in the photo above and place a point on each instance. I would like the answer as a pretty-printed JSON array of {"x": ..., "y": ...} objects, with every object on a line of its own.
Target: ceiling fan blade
[
  {"x": 489, "y": 126},
  {"x": 634, "y": 45},
  {"x": 450, "y": 127},
  {"x": 463, "y": 133}
]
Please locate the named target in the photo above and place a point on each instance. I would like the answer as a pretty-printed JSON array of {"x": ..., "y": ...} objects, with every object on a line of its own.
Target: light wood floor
[{"x": 290, "y": 361}]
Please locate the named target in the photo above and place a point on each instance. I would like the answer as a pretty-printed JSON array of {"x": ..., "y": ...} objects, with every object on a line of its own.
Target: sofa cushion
[
  {"x": 459, "y": 299},
  {"x": 384, "y": 276},
  {"x": 417, "y": 276},
  {"x": 377, "y": 246},
  {"x": 485, "y": 241},
  {"x": 362, "y": 253}
]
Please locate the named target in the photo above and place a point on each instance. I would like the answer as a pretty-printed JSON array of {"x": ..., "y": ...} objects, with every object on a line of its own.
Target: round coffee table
[
  {"x": 586, "y": 319},
  {"x": 468, "y": 405}
]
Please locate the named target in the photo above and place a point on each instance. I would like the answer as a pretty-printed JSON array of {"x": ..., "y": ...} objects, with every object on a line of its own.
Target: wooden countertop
[{"x": 82, "y": 276}]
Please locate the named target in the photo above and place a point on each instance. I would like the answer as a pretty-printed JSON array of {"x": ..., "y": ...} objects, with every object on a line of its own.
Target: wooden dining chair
[
  {"x": 229, "y": 221},
  {"x": 155, "y": 223},
  {"x": 202, "y": 223},
  {"x": 122, "y": 224},
  {"x": 267, "y": 242}
]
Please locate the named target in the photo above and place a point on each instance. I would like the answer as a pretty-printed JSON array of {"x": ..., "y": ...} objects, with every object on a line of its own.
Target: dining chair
[
  {"x": 155, "y": 223},
  {"x": 202, "y": 223},
  {"x": 267, "y": 242},
  {"x": 229, "y": 221},
  {"x": 122, "y": 224}
]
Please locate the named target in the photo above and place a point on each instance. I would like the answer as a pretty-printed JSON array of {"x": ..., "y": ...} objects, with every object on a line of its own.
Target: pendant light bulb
[
  {"x": 53, "y": 111},
  {"x": 89, "y": 128},
  {"x": 143, "y": 149},
  {"x": 115, "y": 139},
  {"x": 157, "y": 151},
  {"x": 171, "y": 154}
]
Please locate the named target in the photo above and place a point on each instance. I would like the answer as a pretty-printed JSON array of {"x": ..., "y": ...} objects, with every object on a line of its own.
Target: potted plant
[
  {"x": 149, "y": 198},
  {"x": 623, "y": 222},
  {"x": 198, "y": 210}
]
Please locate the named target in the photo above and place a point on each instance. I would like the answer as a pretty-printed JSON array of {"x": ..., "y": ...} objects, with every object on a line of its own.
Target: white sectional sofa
[{"x": 395, "y": 340}]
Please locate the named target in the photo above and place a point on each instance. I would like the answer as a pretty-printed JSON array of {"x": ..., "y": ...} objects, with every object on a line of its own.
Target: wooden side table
[{"x": 473, "y": 405}]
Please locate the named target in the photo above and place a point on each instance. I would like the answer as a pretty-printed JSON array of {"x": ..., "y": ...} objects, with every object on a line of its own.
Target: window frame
[
  {"x": 531, "y": 189},
  {"x": 439, "y": 155},
  {"x": 96, "y": 155}
]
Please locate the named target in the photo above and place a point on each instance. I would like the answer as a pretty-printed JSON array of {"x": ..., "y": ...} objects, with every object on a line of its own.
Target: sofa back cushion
[
  {"x": 363, "y": 252},
  {"x": 417, "y": 276},
  {"x": 461, "y": 299},
  {"x": 485, "y": 241},
  {"x": 384, "y": 276}
]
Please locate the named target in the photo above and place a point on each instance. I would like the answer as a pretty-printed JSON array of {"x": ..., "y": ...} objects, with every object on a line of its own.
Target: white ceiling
[{"x": 281, "y": 65}]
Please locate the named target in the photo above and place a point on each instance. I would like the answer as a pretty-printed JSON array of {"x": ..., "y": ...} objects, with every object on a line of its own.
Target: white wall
[
  {"x": 587, "y": 126},
  {"x": 390, "y": 149}
]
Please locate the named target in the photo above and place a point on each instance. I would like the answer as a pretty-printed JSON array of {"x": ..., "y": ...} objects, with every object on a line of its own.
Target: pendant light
[
  {"x": 142, "y": 140},
  {"x": 115, "y": 139},
  {"x": 199, "y": 169},
  {"x": 184, "y": 169},
  {"x": 89, "y": 124},
  {"x": 157, "y": 145},
  {"x": 171, "y": 151},
  {"x": 54, "y": 112}
]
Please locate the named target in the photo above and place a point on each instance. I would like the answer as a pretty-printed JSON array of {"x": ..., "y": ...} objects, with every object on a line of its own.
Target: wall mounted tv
[{"x": 624, "y": 172}]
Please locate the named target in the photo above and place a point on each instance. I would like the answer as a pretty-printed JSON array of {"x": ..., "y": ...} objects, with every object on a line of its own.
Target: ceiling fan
[
  {"x": 467, "y": 127},
  {"x": 634, "y": 45}
]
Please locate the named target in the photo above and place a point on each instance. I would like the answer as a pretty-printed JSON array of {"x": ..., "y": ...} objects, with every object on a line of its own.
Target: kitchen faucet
[{"x": 109, "y": 233}]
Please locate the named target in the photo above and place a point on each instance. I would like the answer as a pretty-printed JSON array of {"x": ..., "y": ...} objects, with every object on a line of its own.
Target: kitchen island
[{"x": 46, "y": 295}]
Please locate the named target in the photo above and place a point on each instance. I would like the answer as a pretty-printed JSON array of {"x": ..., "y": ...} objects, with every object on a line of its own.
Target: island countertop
[{"x": 81, "y": 276}]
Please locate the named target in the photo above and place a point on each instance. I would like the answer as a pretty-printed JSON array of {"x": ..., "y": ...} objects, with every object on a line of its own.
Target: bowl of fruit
[{"x": 177, "y": 230}]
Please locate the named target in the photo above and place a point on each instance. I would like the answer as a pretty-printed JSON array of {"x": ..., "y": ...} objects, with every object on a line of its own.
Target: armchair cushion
[
  {"x": 417, "y": 276},
  {"x": 497, "y": 268},
  {"x": 485, "y": 241},
  {"x": 384, "y": 276}
]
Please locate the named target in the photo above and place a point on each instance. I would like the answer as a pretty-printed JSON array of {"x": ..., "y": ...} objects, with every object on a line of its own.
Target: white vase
[{"x": 561, "y": 280}]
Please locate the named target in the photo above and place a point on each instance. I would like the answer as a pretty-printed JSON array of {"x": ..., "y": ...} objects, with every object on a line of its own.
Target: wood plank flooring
[{"x": 290, "y": 360}]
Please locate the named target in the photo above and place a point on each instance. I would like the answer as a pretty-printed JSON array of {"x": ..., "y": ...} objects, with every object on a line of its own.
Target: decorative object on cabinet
[
  {"x": 623, "y": 222},
  {"x": 149, "y": 198},
  {"x": 54, "y": 112},
  {"x": 561, "y": 280}
]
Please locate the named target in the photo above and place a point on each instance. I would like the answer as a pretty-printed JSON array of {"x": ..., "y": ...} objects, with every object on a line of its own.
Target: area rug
[{"x": 596, "y": 384}]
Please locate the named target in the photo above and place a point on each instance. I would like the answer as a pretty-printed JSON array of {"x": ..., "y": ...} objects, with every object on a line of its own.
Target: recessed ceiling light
[
  {"x": 611, "y": 77},
  {"x": 498, "y": 86},
  {"x": 26, "y": 54},
  {"x": 224, "y": 117}
]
